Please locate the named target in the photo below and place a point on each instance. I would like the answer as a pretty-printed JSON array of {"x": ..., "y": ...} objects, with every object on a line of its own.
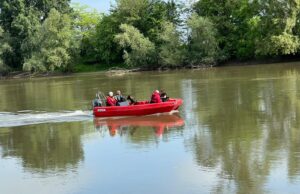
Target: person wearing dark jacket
[
  {"x": 131, "y": 100},
  {"x": 119, "y": 97},
  {"x": 163, "y": 96}
]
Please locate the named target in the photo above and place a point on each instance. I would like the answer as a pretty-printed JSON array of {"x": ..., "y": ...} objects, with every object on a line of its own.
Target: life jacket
[
  {"x": 155, "y": 98},
  {"x": 110, "y": 101}
]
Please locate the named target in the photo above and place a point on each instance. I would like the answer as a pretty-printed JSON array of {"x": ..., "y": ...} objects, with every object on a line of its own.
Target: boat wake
[{"x": 27, "y": 117}]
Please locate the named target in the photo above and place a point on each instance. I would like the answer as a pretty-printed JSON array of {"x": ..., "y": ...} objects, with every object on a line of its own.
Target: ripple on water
[{"x": 28, "y": 117}]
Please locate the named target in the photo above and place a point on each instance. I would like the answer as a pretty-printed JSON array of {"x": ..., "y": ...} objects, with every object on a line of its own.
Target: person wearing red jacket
[
  {"x": 110, "y": 100},
  {"x": 155, "y": 98}
]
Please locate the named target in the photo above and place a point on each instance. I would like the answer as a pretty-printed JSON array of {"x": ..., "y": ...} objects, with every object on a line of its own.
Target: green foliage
[
  {"x": 86, "y": 20},
  {"x": 248, "y": 39},
  {"x": 21, "y": 19},
  {"x": 148, "y": 16},
  {"x": 277, "y": 27},
  {"x": 107, "y": 50},
  {"x": 18, "y": 22},
  {"x": 52, "y": 42},
  {"x": 171, "y": 50},
  {"x": 203, "y": 46},
  {"x": 48, "y": 35},
  {"x": 4, "y": 47},
  {"x": 131, "y": 10},
  {"x": 285, "y": 44},
  {"x": 253, "y": 28},
  {"x": 141, "y": 48},
  {"x": 125, "y": 11},
  {"x": 231, "y": 19},
  {"x": 155, "y": 20}
]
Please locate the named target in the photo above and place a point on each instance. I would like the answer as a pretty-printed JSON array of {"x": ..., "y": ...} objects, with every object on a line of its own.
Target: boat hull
[{"x": 141, "y": 109}]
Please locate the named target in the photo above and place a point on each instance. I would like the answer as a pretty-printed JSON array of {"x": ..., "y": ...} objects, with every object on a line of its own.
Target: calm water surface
[{"x": 237, "y": 132}]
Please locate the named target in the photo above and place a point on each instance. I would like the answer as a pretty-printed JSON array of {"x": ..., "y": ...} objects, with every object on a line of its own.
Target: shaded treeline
[{"x": 39, "y": 36}]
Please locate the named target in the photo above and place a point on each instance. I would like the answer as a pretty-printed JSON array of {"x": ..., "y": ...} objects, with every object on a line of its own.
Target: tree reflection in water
[
  {"x": 251, "y": 128},
  {"x": 241, "y": 123},
  {"x": 45, "y": 147}
]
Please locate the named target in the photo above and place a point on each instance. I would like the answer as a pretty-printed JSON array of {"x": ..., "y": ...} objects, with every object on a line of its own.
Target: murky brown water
[{"x": 237, "y": 132}]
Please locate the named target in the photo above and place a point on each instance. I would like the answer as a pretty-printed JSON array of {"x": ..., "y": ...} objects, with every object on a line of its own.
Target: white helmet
[{"x": 111, "y": 94}]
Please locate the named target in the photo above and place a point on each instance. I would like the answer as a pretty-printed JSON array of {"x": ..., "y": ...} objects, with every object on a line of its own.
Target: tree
[
  {"x": 247, "y": 29},
  {"x": 21, "y": 19},
  {"x": 230, "y": 20},
  {"x": 107, "y": 50},
  {"x": 45, "y": 6},
  {"x": 277, "y": 23},
  {"x": 171, "y": 51},
  {"x": 53, "y": 42},
  {"x": 203, "y": 45},
  {"x": 85, "y": 23},
  {"x": 138, "y": 50},
  {"x": 4, "y": 47},
  {"x": 11, "y": 8},
  {"x": 131, "y": 10},
  {"x": 148, "y": 16}
]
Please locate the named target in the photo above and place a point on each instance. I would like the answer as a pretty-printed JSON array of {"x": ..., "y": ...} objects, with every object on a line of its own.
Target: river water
[{"x": 238, "y": 131}]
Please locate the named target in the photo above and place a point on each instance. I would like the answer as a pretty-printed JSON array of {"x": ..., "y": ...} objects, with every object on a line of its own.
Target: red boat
[{"x": 139, "y": 109}]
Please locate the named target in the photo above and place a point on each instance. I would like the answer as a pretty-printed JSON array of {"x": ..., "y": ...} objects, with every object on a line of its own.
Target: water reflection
[
  {"x": 238, "y": 132},
  {"x": 161, "y": 124},
  {"x": 46, "y": 147},
  {"x": 249, "y": 130}
]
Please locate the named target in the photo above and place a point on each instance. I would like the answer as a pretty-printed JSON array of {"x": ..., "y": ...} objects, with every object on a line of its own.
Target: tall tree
[
  {"x": 277, "y": 24},
  {"x": 141, "y": 48},
  {"x": 4, "y": 47},
  {"x": 107, "y": 50},
  {"x": 171, "y": 50},
  {"x": 53, "y": 42},
  {"x": 148, "y": 16},
  {"x": 85, "y": 22},
  {"x": 45, "y": 6},
  {"x": 203, "y": 45},
  {"x": 21, "y": 18},
  {"x": 232, "y": 20}
]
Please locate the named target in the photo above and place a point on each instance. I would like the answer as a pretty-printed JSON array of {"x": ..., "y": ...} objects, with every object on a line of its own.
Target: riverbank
[
  {"x": 114, "y": 70},
  {"x": 120, "y": 69},
  {"x": 262, "y": 61},
  {"x": 22, "y": 75},
  {"x": 85, "y": 67}
]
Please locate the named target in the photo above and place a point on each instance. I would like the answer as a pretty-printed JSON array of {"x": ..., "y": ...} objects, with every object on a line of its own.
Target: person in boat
[
  {"x": 119, "y": 97},
  {"x": 155, "y": 98},
  {"x": 163, "y": 96},
  {"x": 110, "y": 100},
  {"x": 131, "y": 100},
  {"x": 97, "y": 101}
]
